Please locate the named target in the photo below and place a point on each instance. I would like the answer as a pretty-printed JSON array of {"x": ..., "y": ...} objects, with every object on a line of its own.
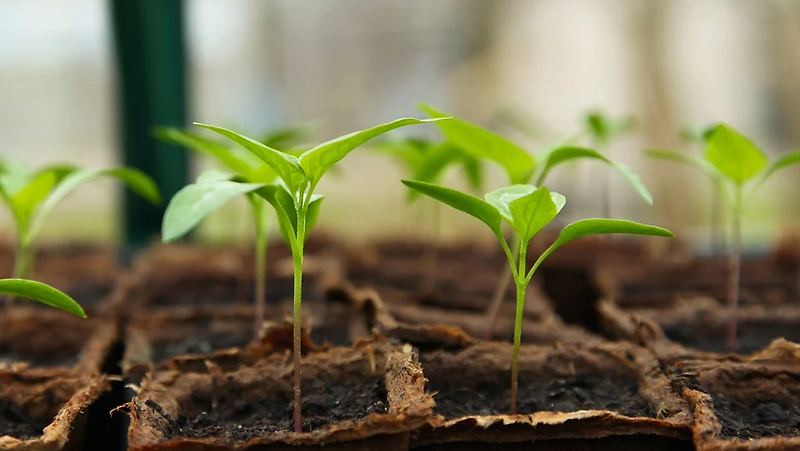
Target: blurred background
[{"x": 70, "y": 68}]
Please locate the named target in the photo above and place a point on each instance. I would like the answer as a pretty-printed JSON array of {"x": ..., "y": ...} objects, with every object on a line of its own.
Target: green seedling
[
  {"x": 293, "y": 199},
  {"x": 427, "y": 161},
  {"x": 522, "y": 167},
  {"x": 214, "y": 188},
  {"x": 603, "y": 130},
  {"x": 733, "y": 160},
  {"x": 32, "y": 195},
  {"x": 527, "y": 209},
  {"x": 700, "y": 135}
]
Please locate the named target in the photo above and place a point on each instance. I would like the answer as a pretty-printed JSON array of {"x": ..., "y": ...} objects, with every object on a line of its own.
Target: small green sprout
[
  {"x": 521, "y": 167},
  {"x": 31, "y": 196},
  {"x": 733, "y": 160},
  {"x": 215, "y": 188},
  {"x": 603, "y": 129},
  {"x": 527, "y": 209},
  {"x": 293, "y": 199},
  {"x": 700, "y": 135},
  {"x": 427, "y": 161}
]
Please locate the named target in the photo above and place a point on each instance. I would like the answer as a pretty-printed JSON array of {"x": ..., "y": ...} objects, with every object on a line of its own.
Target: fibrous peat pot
[
  {"x": 369, "y": 396},
  {"x": 45, "y": 410},
  {"x": 566, "y": 392},
  {"x": 750, "y": 405},
  {"x": 80, "y": 345}
]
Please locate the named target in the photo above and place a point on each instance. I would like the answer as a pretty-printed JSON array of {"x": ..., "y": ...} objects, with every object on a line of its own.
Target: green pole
[{"x": 151, "y": 87}]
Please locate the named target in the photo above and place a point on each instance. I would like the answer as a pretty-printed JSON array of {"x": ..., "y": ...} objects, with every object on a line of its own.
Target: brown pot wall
[{"x": 173, "y": 395}]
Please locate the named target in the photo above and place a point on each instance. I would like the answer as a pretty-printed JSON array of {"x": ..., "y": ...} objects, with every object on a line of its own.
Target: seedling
[
  {"x": 293, "y": 199},
  {"x": 214, "y": 188},
  {"x": 603, "y": 129},
  {"x": 427, "y": 161},
  {"x": 31, "y": 196},
  {"x": 522, "y": 167},
  {"x": 700, "y": 135},
  {"x": 527, "y": 209},
  {"x": 733, "y": 160}
]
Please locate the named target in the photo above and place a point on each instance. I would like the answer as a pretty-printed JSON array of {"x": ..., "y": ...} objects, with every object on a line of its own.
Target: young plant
[
  {"x": 522, "y": 167},
  {"x": 700, "y": 135},
  {"x": 426, "y": 161},
  {"x": 527, "y": 209},
  {"x": 603, "y": 129},
  {"x": 733, "y": 160},
  {"x": 294, "y": 201},
  {"x": 214, "y": 188}
]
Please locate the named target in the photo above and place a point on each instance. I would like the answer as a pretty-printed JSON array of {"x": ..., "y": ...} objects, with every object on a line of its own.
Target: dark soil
[
  {"x": 753, "y": 334},
  {"x": 636, "y": 442},
  {"x": 756, "y": 419},
  {"x": 584, "y": 391},
  {"x": 242, "y": 419},
  {"x": 23, "y": 339},
  {"x": 221, "y": 291},
  {"x": 201, "y": 343},
  {"x": 572, "y": 293},
  {"x": 17, "y": 424}
]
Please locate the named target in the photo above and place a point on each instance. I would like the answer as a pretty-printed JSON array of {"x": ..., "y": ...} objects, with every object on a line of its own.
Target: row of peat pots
[{"x": 622, "y": 349}]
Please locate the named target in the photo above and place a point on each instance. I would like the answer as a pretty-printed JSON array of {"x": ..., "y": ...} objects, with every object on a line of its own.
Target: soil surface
[
  {"x": 200, "y": 343},
  {"x": 584, "y": 391},
  {"x": 242, "y": 419},
  {"x": 636, "y": 442},
  {"x": 15, "y": 423},
  {"x": 753, "y": 334},
  {"x": 756, "y": 419}
]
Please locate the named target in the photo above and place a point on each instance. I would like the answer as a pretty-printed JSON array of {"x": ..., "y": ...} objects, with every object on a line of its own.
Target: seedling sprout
[
  {"x": 295, "y": 203},
  {"x": 733, "y": 160},
  {"x": 522, "y": 167},
  {"x": 527, "y": 209}
]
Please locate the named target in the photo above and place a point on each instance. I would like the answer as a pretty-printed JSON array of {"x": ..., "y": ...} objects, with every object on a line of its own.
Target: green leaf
[
  {"x": 135, "y": 179},
  {"x": 603, "y": 128},
  {"x": 734, "y": 154},
  {"x": 40, "y": 292},
  {"x": 696, "y": 162},
  {"x": 25, "y": 201},
  {"x": 315, "y": 162},
  {"x": 467, "y": 203},
  {"x": 194, "y": 202},
  {"x": 564, "y": 154},
  {"x": 313, "y": 211},
  {"x": 285, "y": 165},
  {"x": 199, "y": 143},
  {"x": 483, "y": 143},
  {"x": 213, "y": 175},
  {"x": 586, "y": 227},
  {"x": 502, "y": 198},
  {"x": 534, "y": 211},
  {"x": 783, "y": 162}
]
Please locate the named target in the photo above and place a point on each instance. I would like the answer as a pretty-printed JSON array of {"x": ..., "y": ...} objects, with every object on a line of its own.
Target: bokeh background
[{"x": 342, "y": 65}]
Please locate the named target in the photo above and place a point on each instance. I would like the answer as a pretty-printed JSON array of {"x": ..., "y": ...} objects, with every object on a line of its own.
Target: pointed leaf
[
  {"x": 783, "y": 162},
  {"x": 40, "y": 292},
  {"x": 534, "y": 211},
  {"x": 696, "y": 162},
  {"x": 735, "y": 155},
  {"x": 277, "y": 195},
  {"x": 194, "y": 202},
  {"x": 563, "y": 154},
  {"x": 213, "y": 175},
  {"x": 461, "y": 201},
  {"x": 315, "y": 162},
  {"x": 285, "y": 165},
  {"x": 483, "y": 143},
  {"x": 199, "y": 143},
  {"x": 135, "y": 179},
  {"x": 313, "y": 211},
  {"x": 502, "y": 198}
]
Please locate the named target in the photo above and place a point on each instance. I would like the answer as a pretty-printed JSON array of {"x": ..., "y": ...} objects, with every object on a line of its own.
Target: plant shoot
[{"x": 527, "y": 209}]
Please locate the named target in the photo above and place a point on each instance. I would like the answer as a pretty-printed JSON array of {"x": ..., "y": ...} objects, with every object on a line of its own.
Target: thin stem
[
  {"x": 717, "y": 235},
  {"x": 297, "y": 253},
  {"x": 261, "y": 259},
  {"x": 521, "y": 286},
  {"x": 734, "y": 268},
  {"x": 432, "y": 252},
  {"x": 500, "y": 290}
]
